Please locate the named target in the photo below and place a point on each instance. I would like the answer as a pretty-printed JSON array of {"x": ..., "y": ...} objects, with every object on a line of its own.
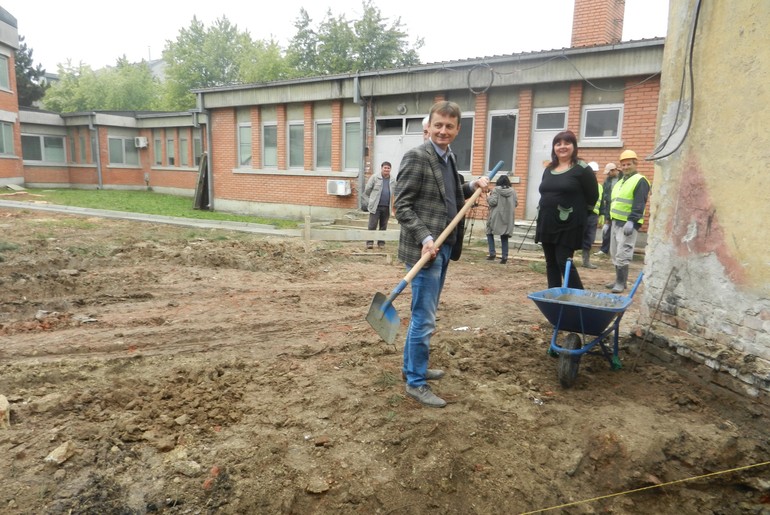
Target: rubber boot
[
  {"x": 622, "y": 279},
  {"x": 587, "y": 259},
  {"x": 610, "y": 285}
]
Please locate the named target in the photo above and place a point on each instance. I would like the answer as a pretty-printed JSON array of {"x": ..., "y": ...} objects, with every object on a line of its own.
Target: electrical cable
[{"x": 688, "y": 67}]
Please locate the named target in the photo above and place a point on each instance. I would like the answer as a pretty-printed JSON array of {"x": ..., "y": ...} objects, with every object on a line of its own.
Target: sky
[{"x": 98, "y": 33}]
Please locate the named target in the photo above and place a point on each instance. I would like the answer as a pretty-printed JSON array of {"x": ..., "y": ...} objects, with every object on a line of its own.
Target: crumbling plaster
[{"x": 707, "y": 265}]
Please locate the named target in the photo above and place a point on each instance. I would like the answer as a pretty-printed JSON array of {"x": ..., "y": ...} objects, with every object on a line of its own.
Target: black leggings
[{"x": 555, "y": 264}]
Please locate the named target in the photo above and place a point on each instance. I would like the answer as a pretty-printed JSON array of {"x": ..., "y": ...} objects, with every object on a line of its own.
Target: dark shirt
[
  {"x": 565, "y": 199},
  {"x": 385, "y": 193}
]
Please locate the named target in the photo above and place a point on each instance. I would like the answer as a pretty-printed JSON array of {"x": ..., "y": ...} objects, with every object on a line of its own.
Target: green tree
[
  {"x": 303, "y": 52},
  {"x": 124, "y": 87},
  {"x": 30, "y": 79},
  {"x": 379, "y": 46},
  {"x": 265, "y": 62},
  {"x": 340, "y": 46},
  {"x": 203, "y": 57}
]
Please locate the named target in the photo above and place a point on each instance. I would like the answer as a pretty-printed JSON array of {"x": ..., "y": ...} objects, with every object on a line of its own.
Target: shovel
[{"x": 382, "y": 316}]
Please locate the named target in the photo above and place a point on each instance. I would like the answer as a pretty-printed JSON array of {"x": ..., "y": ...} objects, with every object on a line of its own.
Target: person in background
[
  {"x": 589, "y": 237},
  {"x": 568, "y": 191},
  {"x": 425, "y": 134},
  {"x": 611, "y": 178},
  {"x": 502, "y": 203},
  {"x": 379, "y": 201},
  {"x": 627, "y": 210},
  {"x": 429, "y": 194}
]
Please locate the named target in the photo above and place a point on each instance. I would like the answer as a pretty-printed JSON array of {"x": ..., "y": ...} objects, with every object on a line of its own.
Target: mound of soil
[{"x": 158, "y": 369}]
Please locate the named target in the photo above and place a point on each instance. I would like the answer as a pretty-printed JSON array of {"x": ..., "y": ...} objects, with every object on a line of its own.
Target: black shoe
[
  {"x": 491, "y": 258},
  {"x": 503, "y": 261}
]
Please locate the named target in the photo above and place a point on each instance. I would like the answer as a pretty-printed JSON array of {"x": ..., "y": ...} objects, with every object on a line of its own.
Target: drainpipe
[
  {"x": 209, "y": 159},
  {"x": 91, "y": 127},
  {"x": 362, "y": 165}
]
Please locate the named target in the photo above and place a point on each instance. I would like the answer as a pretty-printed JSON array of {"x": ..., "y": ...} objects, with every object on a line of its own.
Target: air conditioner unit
[
  {"x": 334, "y": 187},
  {"x": 140, "y": 142}
]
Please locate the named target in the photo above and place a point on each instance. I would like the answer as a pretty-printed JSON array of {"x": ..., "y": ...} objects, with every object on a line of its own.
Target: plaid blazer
[{"x": 420, "y": 193}]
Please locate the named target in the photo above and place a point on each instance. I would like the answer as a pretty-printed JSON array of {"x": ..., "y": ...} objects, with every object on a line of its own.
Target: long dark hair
[
  {"x": 503, "y": 181},
  {"x": 569, "y": 137}
]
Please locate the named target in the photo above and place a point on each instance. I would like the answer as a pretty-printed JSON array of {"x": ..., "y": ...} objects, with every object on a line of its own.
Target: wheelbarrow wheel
[{"x": 568, "y": 364}]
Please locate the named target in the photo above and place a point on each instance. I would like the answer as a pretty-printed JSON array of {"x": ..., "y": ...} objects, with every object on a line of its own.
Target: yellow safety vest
[
  {"x": 599, "y": 200},
  {"x": 623, "y": 198}
]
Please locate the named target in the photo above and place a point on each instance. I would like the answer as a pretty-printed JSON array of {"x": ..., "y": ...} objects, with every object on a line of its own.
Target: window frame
[
  {"x": 601, "y": 140},
  {"x": 271, "y": 151},
  {"x": 7, "y": 147},
  {"x": 316, "y": 124},
  {"x": 44, "y": 154},
  {"x": 197, "y": 150},
  {"x": 509, "y": 163},
  {"x": 184, "y": 159},
  {"x": 470, "y": 121},
  {"x": 127, "y": 149},
  {"x": 294, "y": 124},
  {"x": 5, "y": 72},
  {"x": 244, "y": 143},
  {"x": 348, "y": 145},
  {"x": 170, "y": 152}
]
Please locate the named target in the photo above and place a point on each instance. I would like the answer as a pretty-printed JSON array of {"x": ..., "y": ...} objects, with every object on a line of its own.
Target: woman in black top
[{"x": 568, "y": 191}]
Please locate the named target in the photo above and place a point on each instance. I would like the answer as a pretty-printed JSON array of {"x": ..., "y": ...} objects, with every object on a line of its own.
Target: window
[
  {"x": 296, "y": 145},
  {"x": 122, "y": 151},
  {"x": 414, "y": 126},
  {"x": 46, "y": 149},
  {"x": 602, "y": 122},
  {"x": 270, "y": 146},
  {"x": 6, "y": 139},
  {"x": 184, "y": 159},
  {"x": 353, "y": 145},
  {"x": 244, "y": 145},
  {"x": 5, "y": 81},
  {"x": 170, "y": 158},
  {"x": 390, "y": 127},
  {"x": 502, "y": 132},
  {"x": 551, "y": 121},
  {"x": 197, "y": 151},
  {"x": 323, "y": 145},
  {"x": 72, "y": 148},
  {"x": 83, "y": 156},
  {"x": 157, "y": 150},
  {"x": 461, "y": 146}
]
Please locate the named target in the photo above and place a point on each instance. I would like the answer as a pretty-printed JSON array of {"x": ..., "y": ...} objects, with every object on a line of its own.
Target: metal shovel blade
[{"x": 383, "y": 318}]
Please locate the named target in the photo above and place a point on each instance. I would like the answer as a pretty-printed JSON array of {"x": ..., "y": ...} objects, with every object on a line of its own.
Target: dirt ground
[{"x": 159, "y": 369}]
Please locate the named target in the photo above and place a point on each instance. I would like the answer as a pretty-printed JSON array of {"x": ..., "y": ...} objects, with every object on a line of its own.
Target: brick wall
[
  {"x": 12, "y": 168},
  {"x": 523, "y": 145},
  {"x": 597, "y": 22}
]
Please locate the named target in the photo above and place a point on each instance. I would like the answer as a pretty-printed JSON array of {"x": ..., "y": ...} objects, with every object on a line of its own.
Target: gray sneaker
[
  {"x": 432, "y": 374},
  {"x": 423, "y": 395}
]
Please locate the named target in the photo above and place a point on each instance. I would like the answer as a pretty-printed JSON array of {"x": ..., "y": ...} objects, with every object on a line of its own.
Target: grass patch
[
  {"x": 385, "y": 380},
  {"x": 4, "y": 245},
  {"x": 537, "y": 266},
  {"x": 147, "y": 202}
]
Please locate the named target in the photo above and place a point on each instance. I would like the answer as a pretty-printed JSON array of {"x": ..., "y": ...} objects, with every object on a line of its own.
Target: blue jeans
[
  {"x": 426, "y": 291},
  {"x": 503, "y": 244}
]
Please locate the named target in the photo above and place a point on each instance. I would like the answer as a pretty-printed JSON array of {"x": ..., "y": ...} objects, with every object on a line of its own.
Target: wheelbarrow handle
[{"x": 441, "y": 238}]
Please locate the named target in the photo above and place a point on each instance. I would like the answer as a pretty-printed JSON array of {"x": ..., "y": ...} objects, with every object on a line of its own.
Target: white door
[
  {"x": 393, "y": 137},
  {"x": 547, "y": 124}
]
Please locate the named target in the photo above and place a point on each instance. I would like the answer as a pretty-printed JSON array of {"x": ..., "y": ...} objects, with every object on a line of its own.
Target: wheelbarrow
[{"x": 582, "y": 313}]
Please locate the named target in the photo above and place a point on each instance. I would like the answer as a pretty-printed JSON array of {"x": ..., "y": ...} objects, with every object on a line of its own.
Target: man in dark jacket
[{"x": 429, "y": 193}]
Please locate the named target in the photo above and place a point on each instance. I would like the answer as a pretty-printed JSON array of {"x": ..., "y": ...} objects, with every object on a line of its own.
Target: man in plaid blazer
[{"x": 429, "y": 193}]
